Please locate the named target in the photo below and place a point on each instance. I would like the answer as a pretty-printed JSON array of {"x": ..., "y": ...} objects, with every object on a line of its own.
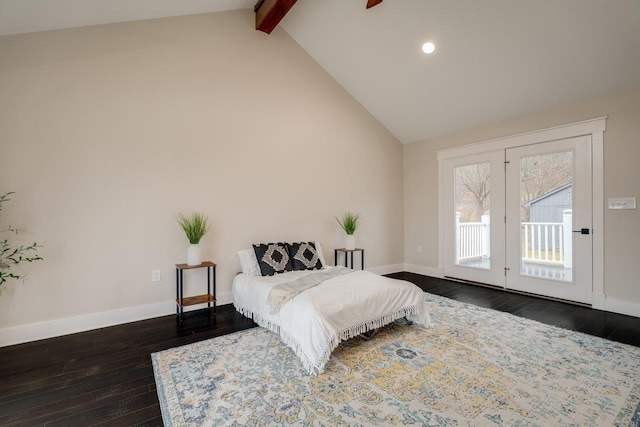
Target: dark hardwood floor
[
  {"x": 105, "y": 377},
  {"x": 616, "y": 327}
]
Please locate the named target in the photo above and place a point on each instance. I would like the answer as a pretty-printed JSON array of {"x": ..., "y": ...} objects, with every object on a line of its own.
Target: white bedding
[{"x": 315, "y": 321}]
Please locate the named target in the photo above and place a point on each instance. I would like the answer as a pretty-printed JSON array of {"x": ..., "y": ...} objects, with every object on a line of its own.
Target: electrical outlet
[
  {"x": 155, "y": 275},
  {"x": 419, "y": 249}
]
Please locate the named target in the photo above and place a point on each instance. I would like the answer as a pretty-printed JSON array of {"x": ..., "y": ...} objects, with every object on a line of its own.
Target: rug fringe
[{"x": 275, "y": 328}]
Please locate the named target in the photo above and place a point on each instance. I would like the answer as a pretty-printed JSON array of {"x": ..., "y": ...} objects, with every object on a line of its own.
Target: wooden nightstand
[{"x": 208, "y": 298}]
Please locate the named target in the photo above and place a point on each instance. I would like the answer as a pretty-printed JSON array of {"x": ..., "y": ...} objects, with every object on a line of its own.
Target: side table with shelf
[
  {"x": 348, "y": 252},
  {"x": 208, "y": 298}
]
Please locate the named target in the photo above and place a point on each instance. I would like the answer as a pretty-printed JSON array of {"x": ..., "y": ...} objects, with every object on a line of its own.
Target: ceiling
[{"x": 494, "y": 59}]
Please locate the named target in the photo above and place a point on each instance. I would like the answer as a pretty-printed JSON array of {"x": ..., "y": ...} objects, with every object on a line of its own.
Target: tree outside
[
  {"x": 541, "y": 174},
  {"x": 472, "y": 186},
  {"x": 538, "y": 175}
]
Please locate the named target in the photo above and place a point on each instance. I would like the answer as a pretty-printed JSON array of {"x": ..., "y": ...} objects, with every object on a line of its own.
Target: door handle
[{"x": 582, "y": 231}]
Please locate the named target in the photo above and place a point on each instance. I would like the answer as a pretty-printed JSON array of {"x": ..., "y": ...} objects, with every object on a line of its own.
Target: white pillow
[
  {"x": 319, "y": 250},
  {"x": 249, "y": 262}
]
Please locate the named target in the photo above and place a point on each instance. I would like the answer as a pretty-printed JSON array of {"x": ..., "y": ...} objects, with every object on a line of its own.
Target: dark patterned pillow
[
  {"x": 304, "y": 256},
  {"x": 272, "y": 258}
]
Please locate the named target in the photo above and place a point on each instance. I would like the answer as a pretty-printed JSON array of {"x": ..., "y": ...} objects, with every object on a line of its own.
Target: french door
[
  {"x": 548, "y": 228},
  {"x": 520, "y": 218},
  {"x": 473, "y": 223}
]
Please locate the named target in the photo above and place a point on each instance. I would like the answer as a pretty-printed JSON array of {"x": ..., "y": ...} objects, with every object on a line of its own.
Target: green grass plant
[
  {"x": 194, "y": 226},
  {"x": 349, "y": 222}
]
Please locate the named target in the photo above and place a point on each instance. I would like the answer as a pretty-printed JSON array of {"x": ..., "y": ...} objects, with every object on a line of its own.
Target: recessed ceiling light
[{"x": 428, "y": 47}]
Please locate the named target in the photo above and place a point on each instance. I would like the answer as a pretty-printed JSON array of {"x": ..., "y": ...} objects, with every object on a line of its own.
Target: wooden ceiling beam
[
  {"x": 269, "y": 13},
  {"x": 371, "y": 3}
]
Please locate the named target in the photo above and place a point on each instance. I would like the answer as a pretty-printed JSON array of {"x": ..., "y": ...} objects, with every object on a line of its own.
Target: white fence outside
[
  {"x": 542, "y": 242},
  {"x": 472, "y": 238},
  {"x": 549, "y": 242}
]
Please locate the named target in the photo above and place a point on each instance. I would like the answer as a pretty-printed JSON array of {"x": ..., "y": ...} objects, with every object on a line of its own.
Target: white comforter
[{"x": 315, "y": 321}]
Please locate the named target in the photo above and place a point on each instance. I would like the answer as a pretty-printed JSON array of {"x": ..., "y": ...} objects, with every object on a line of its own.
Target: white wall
[
  {"x": 108, "y": 132},
  {"x": 621, "y": 179}
]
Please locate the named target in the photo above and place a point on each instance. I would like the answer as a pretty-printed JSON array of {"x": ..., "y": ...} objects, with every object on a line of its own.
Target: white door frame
[{"x": 595, "y": 129}]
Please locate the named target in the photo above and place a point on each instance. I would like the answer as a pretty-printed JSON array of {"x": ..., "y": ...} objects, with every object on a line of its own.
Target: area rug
[{"x": 476, "y": 367}]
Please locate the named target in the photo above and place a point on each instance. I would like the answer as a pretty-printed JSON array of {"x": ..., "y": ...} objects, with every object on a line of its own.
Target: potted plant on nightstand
[
  {"x": 349, "y": 223},
  {"x": 194, "y": 226}
]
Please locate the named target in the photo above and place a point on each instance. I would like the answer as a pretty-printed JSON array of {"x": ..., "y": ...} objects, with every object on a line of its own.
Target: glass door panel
[
  {"x": 472, "y": 215},
  {"x": 546, "y": 213}
]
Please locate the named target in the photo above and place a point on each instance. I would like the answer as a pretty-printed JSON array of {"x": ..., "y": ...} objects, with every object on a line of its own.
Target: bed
[{"x": 342, "y": 304}]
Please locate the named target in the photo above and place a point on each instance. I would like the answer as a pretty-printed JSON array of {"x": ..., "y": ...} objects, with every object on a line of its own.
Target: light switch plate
[{"x": 622, "y": 203}]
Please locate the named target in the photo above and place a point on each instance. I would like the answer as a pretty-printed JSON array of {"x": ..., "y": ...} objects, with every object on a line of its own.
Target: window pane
[
  {"x": 546, "y": 216},
  {"x": 472, "y": 223}
]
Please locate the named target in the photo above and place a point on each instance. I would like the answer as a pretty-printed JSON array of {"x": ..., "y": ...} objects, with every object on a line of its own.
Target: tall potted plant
[
  {"x": 194, "y": 226},
  {"x": 349, "y": 223},
  {"x": 12, "y": 255}
]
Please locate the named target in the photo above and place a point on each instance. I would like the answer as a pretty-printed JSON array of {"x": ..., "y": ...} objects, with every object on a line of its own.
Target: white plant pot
[
  {"x": 194, "y": 255},
  {"x": 350, "y": 242}
]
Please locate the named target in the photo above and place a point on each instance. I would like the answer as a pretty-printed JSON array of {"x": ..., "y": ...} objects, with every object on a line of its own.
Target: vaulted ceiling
[{"x": 494, "y": 59}]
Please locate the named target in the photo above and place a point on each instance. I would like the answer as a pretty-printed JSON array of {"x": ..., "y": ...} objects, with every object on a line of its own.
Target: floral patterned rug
[{"x": 476, "y": 367}]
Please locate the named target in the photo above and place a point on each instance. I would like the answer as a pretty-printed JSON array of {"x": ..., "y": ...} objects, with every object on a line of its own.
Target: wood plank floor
[
  {"x": 616, "y": 327},
  {"x": 105, "y": 377}
]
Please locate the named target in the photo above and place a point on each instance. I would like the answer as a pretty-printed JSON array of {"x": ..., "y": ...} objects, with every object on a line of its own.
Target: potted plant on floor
[
  {"x": 349, "y": 223},
  {"x": 194, "y": 226},
  {"x": 12, "y": 255}
]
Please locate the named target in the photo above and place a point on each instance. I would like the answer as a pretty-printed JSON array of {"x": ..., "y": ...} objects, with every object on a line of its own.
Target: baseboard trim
[
  {"x": 71, "y": 325},
  {"x": 424, "y": 270},
  {"x": 622, "y": 307},
  {"x": 598, "y": 301},
  {"x": 387, "y": 269}
]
